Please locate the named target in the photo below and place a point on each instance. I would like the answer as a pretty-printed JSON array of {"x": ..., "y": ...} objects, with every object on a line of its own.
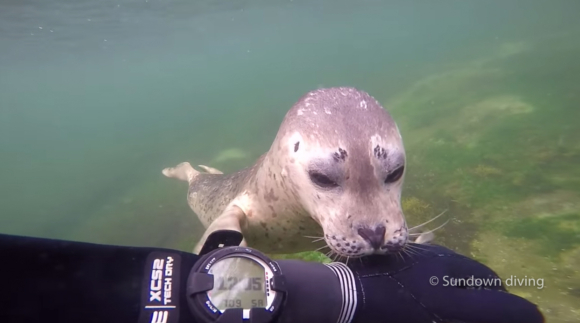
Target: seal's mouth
[{"x": 367, "y": 241}]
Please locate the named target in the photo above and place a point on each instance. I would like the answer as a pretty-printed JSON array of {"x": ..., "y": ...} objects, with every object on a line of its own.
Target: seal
[{"x": 334, "y": 173}]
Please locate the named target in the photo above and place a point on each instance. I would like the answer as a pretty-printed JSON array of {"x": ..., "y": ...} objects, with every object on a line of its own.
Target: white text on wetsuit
[{"x": 161, "y": 281}]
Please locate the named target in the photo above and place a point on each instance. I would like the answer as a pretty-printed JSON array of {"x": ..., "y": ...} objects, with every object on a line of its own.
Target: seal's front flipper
[
  {"x": 183, "y": 172},
  {"x": 211, "y": 170},
  {"x": 233, "y": 218}
]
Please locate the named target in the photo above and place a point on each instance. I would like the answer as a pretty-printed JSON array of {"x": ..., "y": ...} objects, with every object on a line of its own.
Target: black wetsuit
[{"x": 44, "y": 280}]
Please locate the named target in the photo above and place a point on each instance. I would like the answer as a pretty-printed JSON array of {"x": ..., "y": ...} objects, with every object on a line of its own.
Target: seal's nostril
[
  {"x": 375, "y": 237},
  {"x": 380, "y": 230}
]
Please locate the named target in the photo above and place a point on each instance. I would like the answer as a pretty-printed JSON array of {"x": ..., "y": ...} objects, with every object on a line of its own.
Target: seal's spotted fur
[{"x": 335, "y": 170}]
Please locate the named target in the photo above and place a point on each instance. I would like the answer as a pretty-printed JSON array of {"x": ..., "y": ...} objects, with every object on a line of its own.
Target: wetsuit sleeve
[
  {"x": 414, "y": 288},
  {"x": 45, "y": 280},
  {"x": 317, "y": 293}
]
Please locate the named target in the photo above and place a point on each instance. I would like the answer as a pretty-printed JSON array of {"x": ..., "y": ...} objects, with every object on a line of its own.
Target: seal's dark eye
[
  {"x": 395, "y": 175},
  {"x": 322, "y": 180}
]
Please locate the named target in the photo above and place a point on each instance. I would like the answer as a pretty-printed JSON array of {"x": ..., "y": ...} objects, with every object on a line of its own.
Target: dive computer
[{"x": 234, "y": 284}]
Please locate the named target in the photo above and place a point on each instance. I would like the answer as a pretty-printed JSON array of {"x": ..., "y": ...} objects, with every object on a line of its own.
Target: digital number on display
[
  {"x": 230, "y": 303},
  {"x": 249, "y": 284}
]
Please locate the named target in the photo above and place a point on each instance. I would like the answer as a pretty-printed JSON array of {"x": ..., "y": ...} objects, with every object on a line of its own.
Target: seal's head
[{"x": 344, "y": 157}]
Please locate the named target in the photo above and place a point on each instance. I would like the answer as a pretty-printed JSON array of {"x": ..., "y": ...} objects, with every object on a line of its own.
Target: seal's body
[
  {"x": 335, "y": 170},
  {"x": 237, "y": 201}
]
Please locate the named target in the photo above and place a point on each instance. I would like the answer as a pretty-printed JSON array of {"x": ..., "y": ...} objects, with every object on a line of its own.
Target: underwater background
[{"x": 96, "y": 97}]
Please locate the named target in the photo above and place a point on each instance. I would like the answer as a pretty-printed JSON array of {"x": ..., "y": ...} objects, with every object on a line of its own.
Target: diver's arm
[
  {"x": 45, "y": 280},
  {"x": 48, "y": 280}
]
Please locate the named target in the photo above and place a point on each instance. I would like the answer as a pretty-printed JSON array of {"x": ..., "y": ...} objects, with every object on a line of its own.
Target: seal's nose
[{"x": 375, "y": 237}]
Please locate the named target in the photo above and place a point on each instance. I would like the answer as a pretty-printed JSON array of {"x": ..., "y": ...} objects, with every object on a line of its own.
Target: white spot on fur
[
  {"x": 300, "y": 112},
  {"x": 363, "y": 104},
  {"x": 376, "y": 139},
  {"x": 327, "y": 111}
]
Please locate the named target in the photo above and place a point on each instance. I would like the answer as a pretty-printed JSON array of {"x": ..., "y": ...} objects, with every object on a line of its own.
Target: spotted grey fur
[{"x": 335, "y": 170}]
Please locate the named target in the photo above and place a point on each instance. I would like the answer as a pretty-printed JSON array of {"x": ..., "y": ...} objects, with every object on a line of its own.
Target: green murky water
[{"x": 96, "y": 97}]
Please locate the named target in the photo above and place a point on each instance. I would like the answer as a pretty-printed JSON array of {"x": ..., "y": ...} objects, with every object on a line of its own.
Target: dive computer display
[
  {"x": 239, "y": 282},
  {"x": 235, "y": 284}
]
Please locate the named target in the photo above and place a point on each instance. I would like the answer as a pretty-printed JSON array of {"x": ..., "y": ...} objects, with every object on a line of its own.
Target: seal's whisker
[
  {"x": 336, "y": 257},
  {"x": 313, "y": 237},
  {"x": 411, "y": 252},
  {"x": 398, "y": 254},
  {"x": 402, "y": 254},
  {"x": 317, "y": 240},
  {"x": 325, "y": 246},
  {"x": 347, "y": 258},
  {"x": 409, "y": 249},
  {"x": 407, "y": 252},
  {"x": 437, "y": 228},
  {"x": 405, "y": 249},
  {"x": 422, "y": 224},
  {"x": 415, "y": 246},
  {"x": 414, "y": 251}
]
